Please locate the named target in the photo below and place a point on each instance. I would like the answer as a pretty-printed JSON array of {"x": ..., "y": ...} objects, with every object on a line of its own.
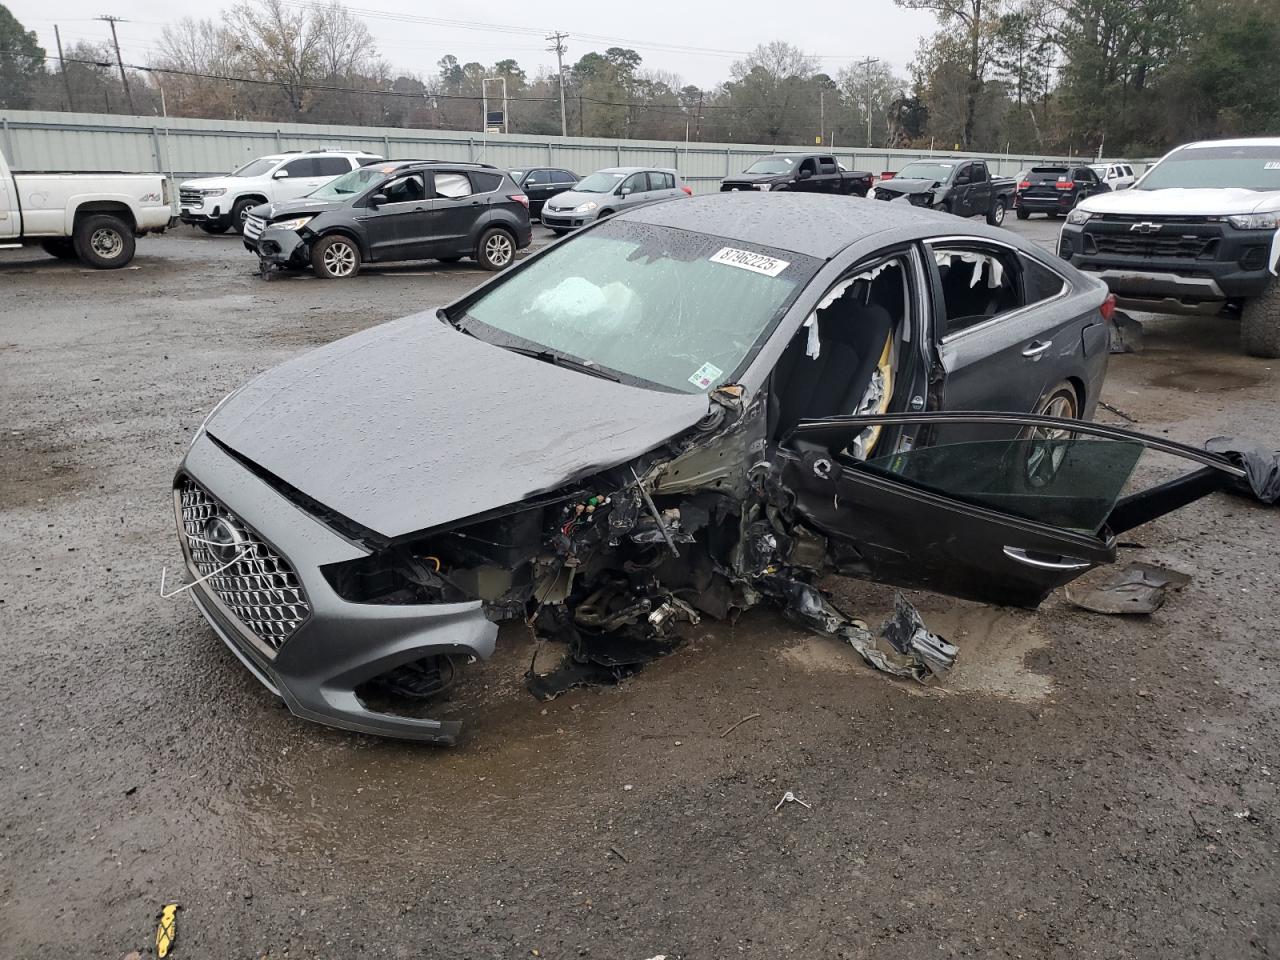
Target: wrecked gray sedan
[{"x": 682, "y": 412}]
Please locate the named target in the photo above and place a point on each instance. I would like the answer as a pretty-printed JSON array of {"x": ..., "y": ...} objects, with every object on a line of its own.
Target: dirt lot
[{"x": 1083, "y": 786}]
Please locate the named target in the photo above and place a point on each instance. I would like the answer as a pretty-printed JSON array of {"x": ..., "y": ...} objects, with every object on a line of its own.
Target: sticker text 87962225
[{"x": 747, "y": 260}]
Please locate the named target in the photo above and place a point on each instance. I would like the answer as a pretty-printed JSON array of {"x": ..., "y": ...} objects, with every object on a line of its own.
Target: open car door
[{"x": 1002, "y": 520}]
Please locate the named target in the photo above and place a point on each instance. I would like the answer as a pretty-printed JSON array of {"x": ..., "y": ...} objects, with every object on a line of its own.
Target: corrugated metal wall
[{"x": 85, "y": 142}]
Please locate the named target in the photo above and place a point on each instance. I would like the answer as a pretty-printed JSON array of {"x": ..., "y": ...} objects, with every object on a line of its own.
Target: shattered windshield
[
  {"x": 357, "y": 181},
  {"x": 925, "y": 171},
  {"x": 772, "y": 165},
  {"x": 680, "y": 310},
  {"x": 1251, "y": 167},
  {"x": 599, "y": 183}
]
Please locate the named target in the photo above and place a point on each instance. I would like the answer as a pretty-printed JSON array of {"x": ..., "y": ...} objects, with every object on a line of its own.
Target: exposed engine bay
[{"x": 612, "y": 568}]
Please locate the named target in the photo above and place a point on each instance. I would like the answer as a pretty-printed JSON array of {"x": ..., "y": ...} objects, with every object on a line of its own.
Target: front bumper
[
  {"x": 1234, "y": 264},
  {"x": 284, "y": 247},
  {"x": 208, "y": 212},
  {"x": 562, "y": 220},
  {"x": 340, "y": 645}
]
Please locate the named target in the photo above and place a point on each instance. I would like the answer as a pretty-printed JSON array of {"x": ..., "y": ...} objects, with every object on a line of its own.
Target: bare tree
[
  {"x": 281, "y": 45},
  {"x": 346, "y": 46}
]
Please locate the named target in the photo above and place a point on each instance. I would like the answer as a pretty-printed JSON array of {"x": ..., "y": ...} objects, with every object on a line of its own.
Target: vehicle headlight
[
  {"x": 213, "y": 192},
  {"x": 1079, "y": 216},
  {"x": 297, "y": 223},
  {"x": 585, "y": 207},
  {"x": 1255, "y": 221}
]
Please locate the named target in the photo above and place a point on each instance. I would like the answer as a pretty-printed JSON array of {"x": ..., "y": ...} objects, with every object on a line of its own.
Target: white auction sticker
[
  {"x": 746, "y": 260},
  {"x": 705, "y": 376}
]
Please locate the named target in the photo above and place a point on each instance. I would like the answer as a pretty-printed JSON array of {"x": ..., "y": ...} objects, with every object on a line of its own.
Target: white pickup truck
[{"x": 92, "y": 216}]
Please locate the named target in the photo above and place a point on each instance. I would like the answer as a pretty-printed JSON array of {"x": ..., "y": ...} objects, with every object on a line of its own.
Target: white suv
[{"x": 217, "y": 203}]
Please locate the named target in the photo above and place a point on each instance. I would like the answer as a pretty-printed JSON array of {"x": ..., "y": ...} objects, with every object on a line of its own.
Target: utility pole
[
  {"x": 868, "y": 63},
  {"x": 119, "y": 62},
  {"x": 559, "y": 49},
  {"x": 66, "y": 82}
]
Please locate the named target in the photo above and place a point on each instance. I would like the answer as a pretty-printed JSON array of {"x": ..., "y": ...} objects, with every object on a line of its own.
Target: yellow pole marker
[{"x": 167, "y": 931}]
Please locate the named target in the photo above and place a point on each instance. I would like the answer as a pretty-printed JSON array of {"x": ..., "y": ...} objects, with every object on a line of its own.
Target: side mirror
[
  {"x": 804, "y": 174},
  {"x": 377, "y": 200},
  {"x": 624, "y": 191},
  {"x": 280, "y": 174},
  {"x": 962, "y": 180}
]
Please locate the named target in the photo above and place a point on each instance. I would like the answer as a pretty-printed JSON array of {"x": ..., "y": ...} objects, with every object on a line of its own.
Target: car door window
[
  {"x": 1039, "y": 282},
  {"x": 827, "y": 165},
  {"x": 406, "y": 189},
  {"x": 331, "y": 166},
  {"x": 303, "y": 167},
  {"x": 452, "y": 185},
  {"x": 808, "y": 165},
  {"x": 977, "y": 282},
  {"x": 565, "y": 176},
  {"x": 661, "y": 181},
  {"x": 977, "y": 173},
  {"x": 537, "y": 178},
  {"x": 636, "y": 183}
]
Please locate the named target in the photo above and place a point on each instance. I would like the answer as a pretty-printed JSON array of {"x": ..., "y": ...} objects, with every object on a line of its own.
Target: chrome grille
[
  {"x": 253, "y": 227},
  {"x": 254, "y": 582},
  {"x": 191, "y": 198}
]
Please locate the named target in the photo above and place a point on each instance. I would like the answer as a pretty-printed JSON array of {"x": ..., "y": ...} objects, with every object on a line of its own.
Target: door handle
[
  {"x": 1036, "y": 348},
  {"x": 1062, "y": 563}
]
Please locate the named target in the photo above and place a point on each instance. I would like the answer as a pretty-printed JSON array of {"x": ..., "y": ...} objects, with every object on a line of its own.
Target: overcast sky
[{"x": 698, "y": 41}]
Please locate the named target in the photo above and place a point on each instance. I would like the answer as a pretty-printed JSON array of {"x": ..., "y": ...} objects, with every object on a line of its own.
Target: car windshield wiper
[{"x": 559, "y": 360}]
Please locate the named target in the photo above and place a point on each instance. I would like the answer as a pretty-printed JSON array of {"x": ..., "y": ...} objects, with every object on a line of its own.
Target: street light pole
[{"x": 124, "y": 79}]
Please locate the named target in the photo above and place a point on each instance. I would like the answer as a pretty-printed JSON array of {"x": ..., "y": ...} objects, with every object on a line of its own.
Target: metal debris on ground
[
  {"x": 1133, "y": 589},
  {"x": 737, "y": 723},
  {"x": 790, "y": 797},
  {"x": 1126, "y": 334}
]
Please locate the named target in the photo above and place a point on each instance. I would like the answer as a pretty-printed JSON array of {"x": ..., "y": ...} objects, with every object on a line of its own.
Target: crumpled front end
[{"x": 278, "y": 246}]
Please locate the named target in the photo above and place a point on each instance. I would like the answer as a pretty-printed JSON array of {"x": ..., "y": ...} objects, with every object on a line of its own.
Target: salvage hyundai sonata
[{"x": 678, "y": 413}]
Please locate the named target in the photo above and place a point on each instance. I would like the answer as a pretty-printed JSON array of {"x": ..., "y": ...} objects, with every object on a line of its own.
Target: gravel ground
[{"x": 1083, "y": 786}]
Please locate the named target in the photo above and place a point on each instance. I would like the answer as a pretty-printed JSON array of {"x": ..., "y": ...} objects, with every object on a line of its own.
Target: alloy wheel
[
  {"x": 340, "y": 259},
  {"x": 498, "y": 249},
  {"x": 1047, "y": 446}
]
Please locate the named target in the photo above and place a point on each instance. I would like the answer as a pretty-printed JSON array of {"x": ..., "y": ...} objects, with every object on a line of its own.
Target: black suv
[{"x": 398, "y": 210}]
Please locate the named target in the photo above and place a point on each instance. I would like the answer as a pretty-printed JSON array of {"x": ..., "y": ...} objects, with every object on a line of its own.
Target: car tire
[
  {"x": 995, "y": 216},
  {"x": 240, "y": 213},
  {"x": 496, "y": 249},
  {"x": 63, "y": 248},
  {"x": 215, "y": 227},
  {"x": 1042, "y": 463},
  {"x": 104, "y": 242},
  {"x": 1260, "y": 323},
  {"x": 1023, "y": 214},
  {"x": 335, "y": 257},
  {"x": 558, "y": 231}
]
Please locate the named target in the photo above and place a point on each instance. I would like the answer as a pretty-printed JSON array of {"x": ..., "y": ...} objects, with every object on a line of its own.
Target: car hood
[
  {"x": 755, "y": 177},
  {"x": 412, "y": 425},
  {"x": 571, "y": 198},
  {"x": 1222, "y": 201},
  {"x": 297, "y": 207},
  {"x": 907, "y": 185},
  {"x": 204, "y": 183}
]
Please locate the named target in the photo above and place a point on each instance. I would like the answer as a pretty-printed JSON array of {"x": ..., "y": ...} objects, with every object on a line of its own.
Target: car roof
[
  {"x": 400, "y": 164},
  {"x": 635, "y": 169},
  {"x": 808, "y": 223},
  {"x": 1238, "y": 142}
]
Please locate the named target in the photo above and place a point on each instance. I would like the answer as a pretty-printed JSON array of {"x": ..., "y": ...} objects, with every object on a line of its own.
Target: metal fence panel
[{"x": 185, "y": 148}]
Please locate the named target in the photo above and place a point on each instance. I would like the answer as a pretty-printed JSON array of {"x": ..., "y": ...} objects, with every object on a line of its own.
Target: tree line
[{"x": 1121, "y": 77}]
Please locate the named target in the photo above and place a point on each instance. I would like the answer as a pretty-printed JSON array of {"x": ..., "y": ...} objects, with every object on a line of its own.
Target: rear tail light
[
  {"x": 519, "y": 198},
  {"x": 1063, "y": 184},
  {"x": 688, "y": 190},
  {"x": 886, "y": 174},
  {"x": 1024, "y": 184},
  {"x": 1108, "y": 308}
]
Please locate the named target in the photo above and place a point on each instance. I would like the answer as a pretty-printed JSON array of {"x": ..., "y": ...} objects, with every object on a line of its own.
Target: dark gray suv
[{"x": 399, "y": 210}]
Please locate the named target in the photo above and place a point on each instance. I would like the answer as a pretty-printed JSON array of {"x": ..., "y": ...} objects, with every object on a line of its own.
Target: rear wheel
[
  {"x": 104, "y": 242},
  {"x": 1023, "y": 214},
  {"x": 1045, "y": 447},
  {"x": 1260, "y": 323},
  {"x": 495, "y": 249},
  {"x": 335, "y": 257},
  {"x": 240, "y": 213},
  {"x": 995, "y": 216},
  {"x": 61, "y": 247},
  {"x": 215, "y": 226}
]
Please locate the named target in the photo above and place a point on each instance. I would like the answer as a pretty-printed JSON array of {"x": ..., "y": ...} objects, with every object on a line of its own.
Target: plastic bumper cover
[
  {"x": 281, "y": 246},
  {"x": 341, "y": 645}
]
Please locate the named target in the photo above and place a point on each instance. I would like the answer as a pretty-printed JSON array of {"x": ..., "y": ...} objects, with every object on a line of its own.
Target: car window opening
[
  {"x": 976, "y": 286},
  {"x": 844, "y": 359}
]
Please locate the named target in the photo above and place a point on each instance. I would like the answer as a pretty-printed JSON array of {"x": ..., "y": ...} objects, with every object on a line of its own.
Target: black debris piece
[
  {"x": 1126, "y": 334},
  {"x": 1260, "y": 464}
]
